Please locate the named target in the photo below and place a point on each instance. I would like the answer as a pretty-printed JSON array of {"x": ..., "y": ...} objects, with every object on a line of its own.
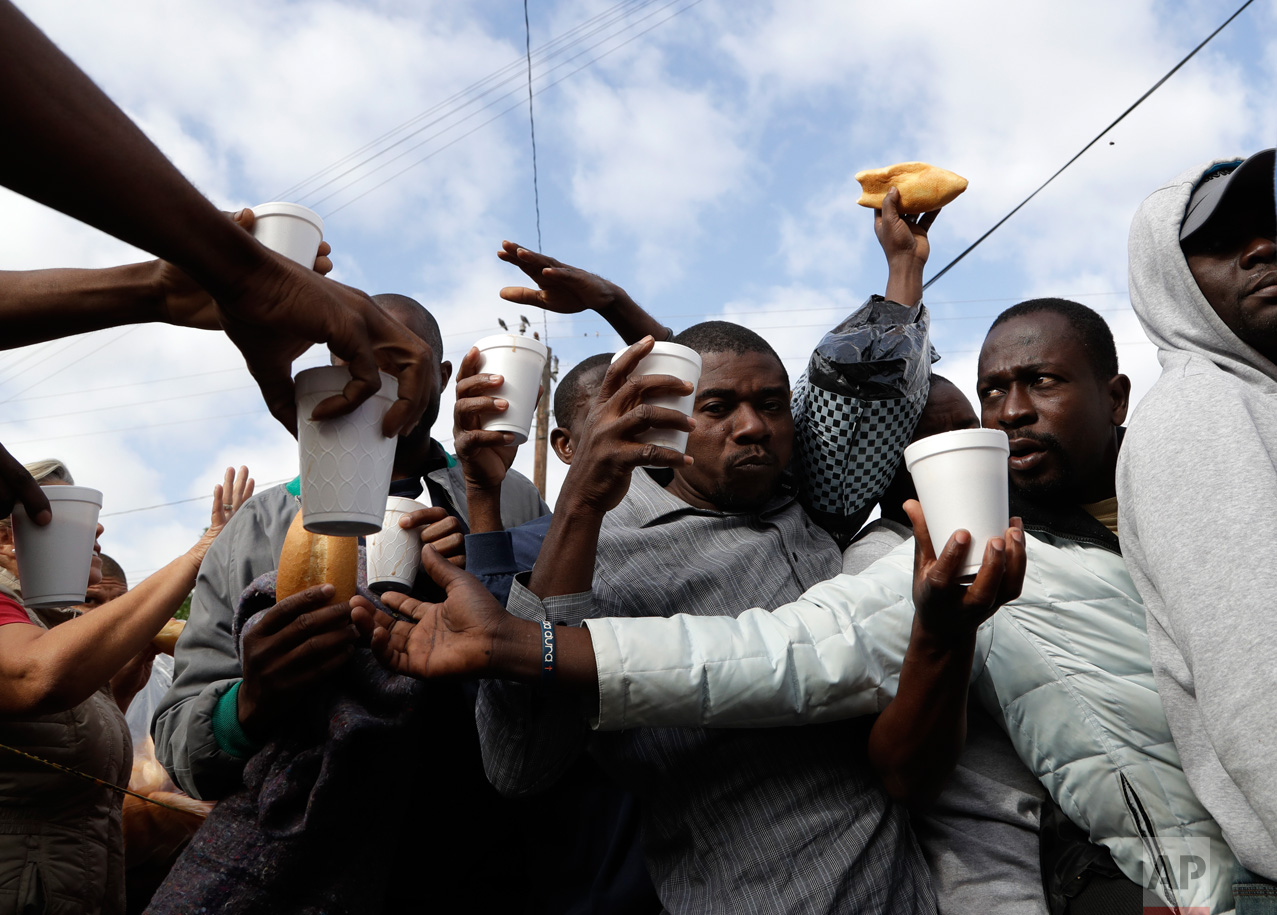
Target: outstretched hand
[
  {"x": 185, "y": 303},
  {"x": 561, "y": 289},
  {"x": 459, "y": 637},
  {"x": 905, "y": 242},
  {"x": 948, "y": 609}
]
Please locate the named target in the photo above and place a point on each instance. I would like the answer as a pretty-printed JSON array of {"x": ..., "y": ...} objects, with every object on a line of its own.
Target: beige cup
[
  {"x": 681, "y": 362},
  {"x": 961, "y": 479},
  {"x": 289, "y": 229},
  {"x": 520, "y": 360},
  {"x": 393, "y": 553},
  {"x": 345, "y": 462},
  {"x": 54, "y": 561}
]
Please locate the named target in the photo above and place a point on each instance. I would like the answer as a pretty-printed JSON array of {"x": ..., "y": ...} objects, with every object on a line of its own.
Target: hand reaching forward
[
  {"x": 185, "y": 304},
  {"x": 459, "y": 637},
  {"x": 562, "y": 289},
  {"x": 279, "y": 310},
  {"x": 947, "y": 609}
]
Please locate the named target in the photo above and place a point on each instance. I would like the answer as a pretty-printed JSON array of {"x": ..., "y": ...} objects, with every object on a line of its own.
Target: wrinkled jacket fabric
[
  {"x": 61, "y": 842},
  {"x": 1065, "y": 667},
  {"x": 1198, "y": 489}
]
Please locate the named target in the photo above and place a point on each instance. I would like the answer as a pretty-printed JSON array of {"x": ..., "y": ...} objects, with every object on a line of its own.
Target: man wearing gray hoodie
[{"x": 1198, "y": 487}]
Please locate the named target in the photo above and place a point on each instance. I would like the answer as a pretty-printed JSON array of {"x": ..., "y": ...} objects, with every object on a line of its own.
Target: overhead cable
[{"x": 1098, "y": 137}]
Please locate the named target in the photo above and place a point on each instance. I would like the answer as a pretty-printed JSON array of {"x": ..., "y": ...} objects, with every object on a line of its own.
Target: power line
[
  {"x": 205, "y": 497},
  {"x": 514, "y": 86},
  {"x": 489, "y": 120},
  {"x": 1098, "y": 137},
  {"x": 567, "y": 40},
  {"x": 67, "y": 365},
  {"x": 532, "y": 125}
]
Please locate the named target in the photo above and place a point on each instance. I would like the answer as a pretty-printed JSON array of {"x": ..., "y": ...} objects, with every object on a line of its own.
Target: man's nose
[
  {"x": 1016, "y": 409},
  {"x": 748, "y": 425},
  {"x": 1260, "y": 250}
]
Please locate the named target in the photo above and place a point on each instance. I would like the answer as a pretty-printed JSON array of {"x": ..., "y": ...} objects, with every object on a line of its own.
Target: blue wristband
[{"x": 547, "y": 651}]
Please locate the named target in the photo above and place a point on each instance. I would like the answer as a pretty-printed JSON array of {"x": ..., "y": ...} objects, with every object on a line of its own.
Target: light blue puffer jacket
[{"x": 1066, "y": 667}]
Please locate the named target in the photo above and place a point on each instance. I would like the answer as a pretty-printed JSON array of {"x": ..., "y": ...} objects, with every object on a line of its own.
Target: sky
[{"x": 700, "y": 153}]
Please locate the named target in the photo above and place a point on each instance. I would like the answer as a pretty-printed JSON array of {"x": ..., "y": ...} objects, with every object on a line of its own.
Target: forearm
[
  {"x": 484, "y": 507},
  {"x": 80, "y": 154},
  {"x": 916, "y": 740},
  {"x": 904, "y": 279},
  {"x": 517, "y": 654},
  {"x": 67, "y": 664},
  {"x": 82, "y": 300},
  {"x": 566, "y": 564},
  {"x": 630, "y": 321}
]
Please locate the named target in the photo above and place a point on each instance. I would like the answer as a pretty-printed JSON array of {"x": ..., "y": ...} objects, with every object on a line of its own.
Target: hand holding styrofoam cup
[
  {"x": 345, "y": 461},
  {"x": 394, "y": 553},
  {"x": 289, "y": 229},
  {"x": 683, "y": 363},
  {"x": 961, "y": 479},
  {"x": 520, "y": 361},
  {"x": 54, "y": 560}
]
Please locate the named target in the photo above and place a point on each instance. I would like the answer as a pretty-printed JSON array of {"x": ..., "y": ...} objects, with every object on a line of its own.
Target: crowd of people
[{"x": 706, "y": 682}]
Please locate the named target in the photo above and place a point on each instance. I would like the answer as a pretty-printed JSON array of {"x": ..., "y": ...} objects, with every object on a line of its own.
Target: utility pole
[{"x": 543, "y": 427}]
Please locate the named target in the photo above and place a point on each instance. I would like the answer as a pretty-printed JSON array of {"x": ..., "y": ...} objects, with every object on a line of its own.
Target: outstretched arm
[
  {"x": 916, "y": 740},
  {"x": 85, "y": 300},
  {"x": 569, "y": 290},
  {"x": 80, "y": 154}
]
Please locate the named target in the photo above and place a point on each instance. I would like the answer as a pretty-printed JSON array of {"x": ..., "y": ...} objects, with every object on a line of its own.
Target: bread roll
[
  {"x": 166, "y": 640},
  {"x": 923, "y": 187},
  {"x": 313, "y": 559}
]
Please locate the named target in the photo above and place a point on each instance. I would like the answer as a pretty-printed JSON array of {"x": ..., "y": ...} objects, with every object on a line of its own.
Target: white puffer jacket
[{"x": 1066, "y": 667}]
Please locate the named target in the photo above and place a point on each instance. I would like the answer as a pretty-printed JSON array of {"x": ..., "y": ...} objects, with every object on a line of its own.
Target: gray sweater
[
  {"x": 1197, "y": 488},
  {"x": 206, "y": 661}
]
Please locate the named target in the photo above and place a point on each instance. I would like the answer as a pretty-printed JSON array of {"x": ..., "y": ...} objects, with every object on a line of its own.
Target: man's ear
[
  {"x": 561, "y": 442},
  {"x": 445, "y": 372},
  {"x": 1120, "y": 391}
]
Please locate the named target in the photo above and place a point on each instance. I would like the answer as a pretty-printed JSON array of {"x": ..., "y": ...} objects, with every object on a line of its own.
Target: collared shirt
[{"x": 777, "y": 820}]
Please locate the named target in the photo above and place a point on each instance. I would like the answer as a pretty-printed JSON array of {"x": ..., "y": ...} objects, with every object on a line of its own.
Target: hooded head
[{"x": 1219, "y": 306}]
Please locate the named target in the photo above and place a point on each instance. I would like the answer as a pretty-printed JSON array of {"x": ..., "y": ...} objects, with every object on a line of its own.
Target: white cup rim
[
  {"x": 512, "y": 341},
  {"x": 957, "y": 440},
  {"x": 283, "y": 208},
  {"x": 403, "y": 504},
  {"x": 61, "y": 492},
  {"x": 673, "y": 350},
  {"x": 332, "y": 378}
]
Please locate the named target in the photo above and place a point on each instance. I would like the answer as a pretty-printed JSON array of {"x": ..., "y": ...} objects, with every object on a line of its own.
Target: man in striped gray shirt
[{"x": 788, "y": 820}]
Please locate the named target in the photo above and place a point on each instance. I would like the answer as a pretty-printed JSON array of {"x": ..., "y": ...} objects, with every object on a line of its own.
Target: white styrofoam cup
[
  {"x": 681, "y": 362},
  {"x": 393, "y": 553},
  {"x": 54, "y": 561},
  {"x": 961, "y": 479},
  {"x": 345, "y": 462},
  {"x": 289, "y": 229},
  {"x": 520, "y": 360}
]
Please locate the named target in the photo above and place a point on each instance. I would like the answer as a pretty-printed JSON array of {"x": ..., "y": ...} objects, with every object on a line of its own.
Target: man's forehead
[
  {"x": 1032, "y": 340},
  {"x": 741, "y": 372}
]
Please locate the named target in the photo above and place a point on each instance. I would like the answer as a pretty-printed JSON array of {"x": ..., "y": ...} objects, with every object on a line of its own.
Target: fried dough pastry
[{"x": 923, "y": 187}]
